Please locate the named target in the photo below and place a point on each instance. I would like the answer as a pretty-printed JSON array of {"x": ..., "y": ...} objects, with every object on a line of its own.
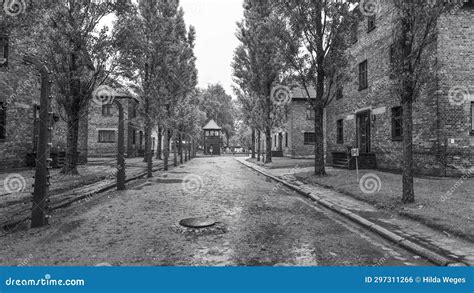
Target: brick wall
[
  {"x": 455, "y": 55},
  {"x": 98, "y": 122},
  {"x": 433, "y": 119},
  {"x": 297, "y": 125},
  {"x": 20, "y": 90}
]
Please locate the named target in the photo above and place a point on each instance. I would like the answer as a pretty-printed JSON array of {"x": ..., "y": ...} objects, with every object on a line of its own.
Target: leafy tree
[
  {"x": 314, "y": 36},
  {"x": 258, "y": 64},
  {"x": 157, "y": 51},
  {"x": 76, "y": 49},
  {"x": 218, "y": 105},
  {"x": 414, "y": 33}
]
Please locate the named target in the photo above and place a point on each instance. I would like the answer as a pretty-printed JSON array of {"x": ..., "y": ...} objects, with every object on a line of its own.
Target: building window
[
  {"x": 355, "y": 29},
  {"x": 339, "y": 93},
  {"x": 371, "y": 23},
  {"x": 3, "y": 121},
  {"x": 472, "y": 118},
  {"x": 363, "y": 81},
  {"x": 310, "y": 113},
  {"x": 309, "y": 138},
  {"x": 106, "y": 136},
  {"x": 134, "y": 137},
  {"x": 134, "y": 111},
  {"x": 141, "y": 139},
  {"x": 397, "y": 123},
  {"x": 212, "y": 133},
  {"x": 3, "y": 51},
  {"x": 340, "y": 131},
  {"x": 107, "y": 110},
  {"x": 286, "y": 139}
]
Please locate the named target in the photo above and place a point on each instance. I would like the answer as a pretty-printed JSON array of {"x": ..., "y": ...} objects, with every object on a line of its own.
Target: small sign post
[{"x": 355, "y": 153}]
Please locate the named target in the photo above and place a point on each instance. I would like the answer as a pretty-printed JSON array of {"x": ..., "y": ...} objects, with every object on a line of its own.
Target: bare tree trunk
[
  {"x": 166, "y": 150},
  {"x": 148, "y": 154},
  {"x": 319, "y": 164},
  {"x": 253, "y": 143},
  {"x": 70, "y": 167},
  {"x": 185, "y": 150},
  {"x": 268, "y": 137},
  {"x": 175, "y": 155},
  {"x": 408, "y": 181},
  {"x": 259, "y": 145},
  {"x": 160, "y": 138},
  {"x": 180, "y": 148},
  {"x": 190, "y": 148}
]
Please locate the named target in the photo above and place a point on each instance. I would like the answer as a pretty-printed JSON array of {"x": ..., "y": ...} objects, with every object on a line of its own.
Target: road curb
[{"x": 397, "y": 239}]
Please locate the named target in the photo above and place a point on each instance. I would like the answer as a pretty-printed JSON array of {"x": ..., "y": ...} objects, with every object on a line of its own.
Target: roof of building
[
  {"x": 212, "y": 125},
  {"x": 298, "y": 93}
]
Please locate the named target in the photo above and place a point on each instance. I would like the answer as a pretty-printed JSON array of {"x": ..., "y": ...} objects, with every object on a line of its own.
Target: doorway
[{"x": 363, "y": 132}]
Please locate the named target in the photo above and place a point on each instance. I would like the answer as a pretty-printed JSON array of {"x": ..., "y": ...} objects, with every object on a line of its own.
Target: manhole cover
[{"x": 197, "y": 223}]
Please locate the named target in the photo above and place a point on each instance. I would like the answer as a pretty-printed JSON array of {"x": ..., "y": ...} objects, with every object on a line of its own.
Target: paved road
[{"x": 260, "y": 223}]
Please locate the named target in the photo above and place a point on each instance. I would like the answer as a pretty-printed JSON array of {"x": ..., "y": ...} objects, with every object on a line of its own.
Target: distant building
[
  {"x": 212, "y": 138},
  {"x": 103, "y": 129},
  {"x": 296, "y": 138}
]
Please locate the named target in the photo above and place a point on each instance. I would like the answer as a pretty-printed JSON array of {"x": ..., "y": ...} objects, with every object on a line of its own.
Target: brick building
[
  {"x": 103, "y": 129},
  {"x": 296, "y": 138},
  {"x": 19, "y": 115},
  {"x": 368, "y": 115}
]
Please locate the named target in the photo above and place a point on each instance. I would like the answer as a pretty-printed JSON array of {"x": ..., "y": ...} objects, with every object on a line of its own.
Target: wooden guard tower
[{"x": 212, "y": 138}]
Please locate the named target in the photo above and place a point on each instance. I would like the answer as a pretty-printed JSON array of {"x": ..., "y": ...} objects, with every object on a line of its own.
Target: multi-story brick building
[
  {"x": 19, "y": 120},
  {"x": 19, "y": 115},
  {"x": 103, "y": 129},
  {"x": 296, "y": 138},
  {"x": 368, "y": 115}
]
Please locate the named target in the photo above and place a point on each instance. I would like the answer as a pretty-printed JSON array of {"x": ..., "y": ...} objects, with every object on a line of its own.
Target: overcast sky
[{"x": 215, "y": 22}]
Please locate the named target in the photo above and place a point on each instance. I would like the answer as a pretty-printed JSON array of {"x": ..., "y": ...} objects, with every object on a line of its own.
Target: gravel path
[{"x": 259, "y": 223}]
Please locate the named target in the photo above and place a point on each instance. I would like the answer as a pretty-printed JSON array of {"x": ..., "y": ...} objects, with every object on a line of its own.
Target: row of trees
[
  {"x": 149, "y": 49},
  {"x": 306, "y": 42}
]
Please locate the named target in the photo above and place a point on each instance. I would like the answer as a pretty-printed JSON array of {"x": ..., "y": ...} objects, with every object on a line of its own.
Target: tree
[
  {"x": 258, "y": 64},
  {"x": 218, "y": 105},
  {"x": 414, "y": 33},
  {"x": 78, "y": 53},
  {"x": 314, "y": 41},
  {"x": 157, "y": 53},
  {"x": 178, "y": 77}
]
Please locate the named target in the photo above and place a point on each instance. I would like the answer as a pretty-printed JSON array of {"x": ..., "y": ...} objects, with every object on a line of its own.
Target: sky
[{"x": 215, "y": 22}]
